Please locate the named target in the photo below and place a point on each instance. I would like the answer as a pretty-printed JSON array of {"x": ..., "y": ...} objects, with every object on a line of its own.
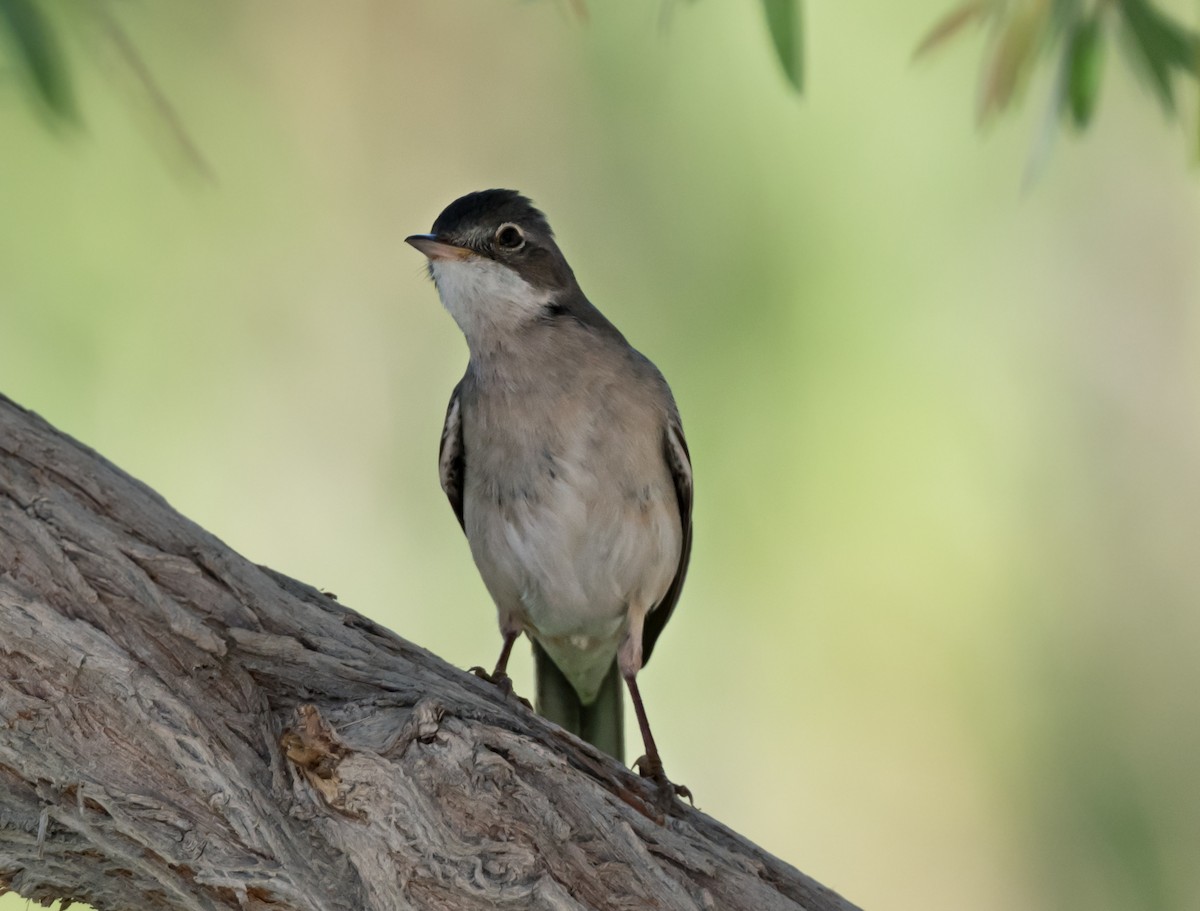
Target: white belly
[{"x": 567, "y": 559}]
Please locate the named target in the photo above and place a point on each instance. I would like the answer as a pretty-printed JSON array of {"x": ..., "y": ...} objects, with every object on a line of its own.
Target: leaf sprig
[
  {"x": 785, "y": 22},
  {"x": 38, "y": 56},
  {"x": 1077, "y": 34}
]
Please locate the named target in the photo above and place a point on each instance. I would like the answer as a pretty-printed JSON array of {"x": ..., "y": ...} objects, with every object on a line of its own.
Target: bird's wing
[
  {"x": 451, "y": 456},
  {"x": 679, "y": 461}
]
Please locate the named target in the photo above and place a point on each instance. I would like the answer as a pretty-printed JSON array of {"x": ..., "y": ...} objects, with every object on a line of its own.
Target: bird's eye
[{"x": 510, "y": 237}]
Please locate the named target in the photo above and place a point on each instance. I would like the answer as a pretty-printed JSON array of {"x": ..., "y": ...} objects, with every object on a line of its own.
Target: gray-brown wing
[
  {"x": 679, "y": 461},
  {"x": 452, "y": 457}
]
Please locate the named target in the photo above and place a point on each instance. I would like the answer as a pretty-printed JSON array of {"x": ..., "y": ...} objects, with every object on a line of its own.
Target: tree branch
[{"x": 183, "y": 729}]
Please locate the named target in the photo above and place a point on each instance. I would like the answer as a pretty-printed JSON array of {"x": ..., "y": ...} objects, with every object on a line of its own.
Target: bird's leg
[
  {"x": 629, "y": 659},
  {"x": 499, "y": 677},
  {"x": 650, "y": 766}
]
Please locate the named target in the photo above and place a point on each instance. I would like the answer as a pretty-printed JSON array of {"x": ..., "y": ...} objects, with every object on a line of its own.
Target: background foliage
[{"x": 939, "y": 644}]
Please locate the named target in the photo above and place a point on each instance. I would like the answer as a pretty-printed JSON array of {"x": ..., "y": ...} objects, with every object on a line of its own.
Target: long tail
[{"x": 600, "y": 724}]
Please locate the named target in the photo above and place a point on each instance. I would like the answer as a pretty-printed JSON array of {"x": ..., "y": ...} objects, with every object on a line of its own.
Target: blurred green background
[{"x": 940, "y": 644}]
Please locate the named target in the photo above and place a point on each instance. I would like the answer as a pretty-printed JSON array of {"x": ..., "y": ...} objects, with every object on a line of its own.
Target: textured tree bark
[{"x": 183, "y": 729}]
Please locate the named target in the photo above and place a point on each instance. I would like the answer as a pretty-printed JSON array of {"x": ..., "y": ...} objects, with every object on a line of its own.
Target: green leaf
[
  {"x": 1065, "y": 15},
  {"x": 1160, "y": 45},
  {"x": 785, "y": 22},
  {"x": 39, "y": 55},
  {"x": 1085, "y": 63},
  {"x": 1196, "y": 127}
]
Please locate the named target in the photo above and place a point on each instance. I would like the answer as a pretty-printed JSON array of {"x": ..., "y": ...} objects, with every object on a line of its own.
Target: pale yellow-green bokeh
[{"x": 939, "y": 644}]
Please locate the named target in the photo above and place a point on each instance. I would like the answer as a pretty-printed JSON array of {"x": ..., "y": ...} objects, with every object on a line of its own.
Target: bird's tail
[{"x": 601, "y": 724}]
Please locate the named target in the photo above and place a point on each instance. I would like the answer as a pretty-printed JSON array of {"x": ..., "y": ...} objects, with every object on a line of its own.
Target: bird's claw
[
  {"x": 665, "y": 790},
  {"x": 503, "y": 683}
]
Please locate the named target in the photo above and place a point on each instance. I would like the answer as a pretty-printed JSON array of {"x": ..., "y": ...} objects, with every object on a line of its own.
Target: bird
[{"x": 564, "y": 460}]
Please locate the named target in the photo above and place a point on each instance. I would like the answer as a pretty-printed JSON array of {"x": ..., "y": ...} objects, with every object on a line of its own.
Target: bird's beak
[{"x": 436, "y": 249}]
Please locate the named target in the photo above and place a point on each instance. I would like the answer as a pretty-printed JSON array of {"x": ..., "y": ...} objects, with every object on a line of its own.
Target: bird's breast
[{"x": 570, "y": 515}]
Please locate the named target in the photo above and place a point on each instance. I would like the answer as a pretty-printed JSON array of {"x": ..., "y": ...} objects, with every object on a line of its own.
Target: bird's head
[{"x": 493, "y": 258}]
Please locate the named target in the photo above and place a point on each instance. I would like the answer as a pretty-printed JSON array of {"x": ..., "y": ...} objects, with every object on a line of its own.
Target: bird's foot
[
  {"x": 503, "y": 683},
  {"x": 665, "y": 790}
]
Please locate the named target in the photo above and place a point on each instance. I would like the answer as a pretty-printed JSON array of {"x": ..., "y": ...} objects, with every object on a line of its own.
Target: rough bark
[{"x": 183, "y": 729}]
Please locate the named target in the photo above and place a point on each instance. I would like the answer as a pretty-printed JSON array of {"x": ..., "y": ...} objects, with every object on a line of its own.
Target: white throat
[{"x": 486, "y": 299}]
